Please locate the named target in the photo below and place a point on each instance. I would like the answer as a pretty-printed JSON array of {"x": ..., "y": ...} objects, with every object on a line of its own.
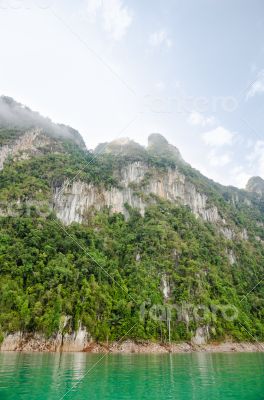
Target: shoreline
[
  {"x": 130, "y": 347},
  {"x": 133, "y": 347}
]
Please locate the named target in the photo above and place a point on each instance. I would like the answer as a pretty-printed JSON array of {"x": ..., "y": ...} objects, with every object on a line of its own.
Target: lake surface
[{"x": 91, "y": 376}]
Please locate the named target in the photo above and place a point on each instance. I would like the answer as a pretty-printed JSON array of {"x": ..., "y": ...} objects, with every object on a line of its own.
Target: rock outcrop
[
  {"x": 137, "y": 180},
  {"x": 37, "y": 343},
  {"x": 158, "y": 145},
  {"x": 29, "y": 144},
  {"x": 256, "y": 185},
  {"x": 24, "y": 341},
  {"x": 121, "y": 146},
  {"x": 201, "y": 335},
  {"x": 165, "y": 287}
]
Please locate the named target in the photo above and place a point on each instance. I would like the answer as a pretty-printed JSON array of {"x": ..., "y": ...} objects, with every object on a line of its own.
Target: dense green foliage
[
  {"x": 8, "y": 134},
  {"x": 92, "y": 274}
]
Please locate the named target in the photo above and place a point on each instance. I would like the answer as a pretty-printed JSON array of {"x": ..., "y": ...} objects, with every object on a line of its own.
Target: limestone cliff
[
  {"x": 24, "y": 341},
  {"x": 138, "y": 184},
  {"x": 28, "y": 144},
  {"x": 80, "y": 342}
]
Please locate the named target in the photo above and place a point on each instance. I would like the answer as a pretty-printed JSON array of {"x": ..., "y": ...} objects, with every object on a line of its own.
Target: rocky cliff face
[
  {"x": 137, "y": 183},
  {"x": 28, "y": 144},
  {"x": 37, "y": 343},
  {"x": 23, "y": 341}
]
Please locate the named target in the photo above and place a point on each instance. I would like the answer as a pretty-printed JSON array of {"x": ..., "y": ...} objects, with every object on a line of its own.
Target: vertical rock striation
[{"x": 137, "y": 180}]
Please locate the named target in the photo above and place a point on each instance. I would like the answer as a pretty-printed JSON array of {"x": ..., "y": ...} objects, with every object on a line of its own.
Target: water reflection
[{"x": 171, "y": 376}]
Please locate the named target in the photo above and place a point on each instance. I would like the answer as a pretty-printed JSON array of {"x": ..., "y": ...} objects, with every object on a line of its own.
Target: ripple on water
[{"x": 169, "y": 376}]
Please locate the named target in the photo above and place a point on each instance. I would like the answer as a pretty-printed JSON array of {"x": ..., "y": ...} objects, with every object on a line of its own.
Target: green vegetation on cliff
[{"x": 105, "y": 270}]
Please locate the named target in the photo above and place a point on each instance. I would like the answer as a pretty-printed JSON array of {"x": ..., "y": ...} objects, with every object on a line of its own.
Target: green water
[{"x": 179, "y": 376}]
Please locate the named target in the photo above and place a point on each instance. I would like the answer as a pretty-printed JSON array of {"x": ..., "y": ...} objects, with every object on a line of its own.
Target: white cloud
[
  {"x": 258, "y": 86},
  {"x": 239, "y": 176},
  {"x": 116, "y": 17},
  {"x": 160, "y": 38},
  {"x": 160, "y": 85},
  {"x": 199, "y": 119},
  {"x": 218, "y": 137},
  {"x": 219, "y": 160},
  {"x": 93, "y": 6},
  {"x": 257, "y": 158}
]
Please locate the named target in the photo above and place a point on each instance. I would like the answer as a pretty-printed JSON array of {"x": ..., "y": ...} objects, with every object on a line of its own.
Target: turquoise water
[{"x": 178, "y": 376}]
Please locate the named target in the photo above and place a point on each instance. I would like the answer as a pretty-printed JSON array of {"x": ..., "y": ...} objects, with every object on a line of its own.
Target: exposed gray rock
[
  {"x": 27, "y": 145},
  {"x": 165, "y": 287},
  {"x": 259, "y": 239},
  {"x": 73, "y": 200},
  {"x": 25, "y": 341},
  {"x": 145, "y": 347},
  {"x": 244, "y": 234},
  {"x": 201, "y": 335},
  {"x": 227, "y": 232},
  {"x": 138, "y": 257},
  {"x": 231, "y": 257},
  {"x": 256, "y": 185}
]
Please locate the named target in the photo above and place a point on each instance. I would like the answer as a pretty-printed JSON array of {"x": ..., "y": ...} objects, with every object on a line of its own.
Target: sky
[{"x": 190, "y": 70}]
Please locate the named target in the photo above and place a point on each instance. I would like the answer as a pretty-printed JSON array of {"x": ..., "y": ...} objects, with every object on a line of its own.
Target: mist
[{"x": 14, "y": 115}]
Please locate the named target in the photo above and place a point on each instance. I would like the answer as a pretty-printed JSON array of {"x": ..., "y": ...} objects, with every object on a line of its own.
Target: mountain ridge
[
  {"x": 20, "y": 119},
  {"x": 81, "y": 233}
]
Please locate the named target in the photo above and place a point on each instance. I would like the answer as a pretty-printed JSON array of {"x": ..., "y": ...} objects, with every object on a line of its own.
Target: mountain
[{"x": 123, "y": 239}]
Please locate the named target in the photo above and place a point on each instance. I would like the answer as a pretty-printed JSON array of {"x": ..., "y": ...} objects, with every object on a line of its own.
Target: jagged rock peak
[
  {"x": 156, "y": 139},
  {"x": 255, "y": 185},
  {"x": 14, "y": 115},
  {"x": 159, "y": 145},
  {"x": 122, "y": 146}
]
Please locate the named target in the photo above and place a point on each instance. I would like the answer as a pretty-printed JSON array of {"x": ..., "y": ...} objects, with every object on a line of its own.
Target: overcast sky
[{"x": 190, "y": 70}]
